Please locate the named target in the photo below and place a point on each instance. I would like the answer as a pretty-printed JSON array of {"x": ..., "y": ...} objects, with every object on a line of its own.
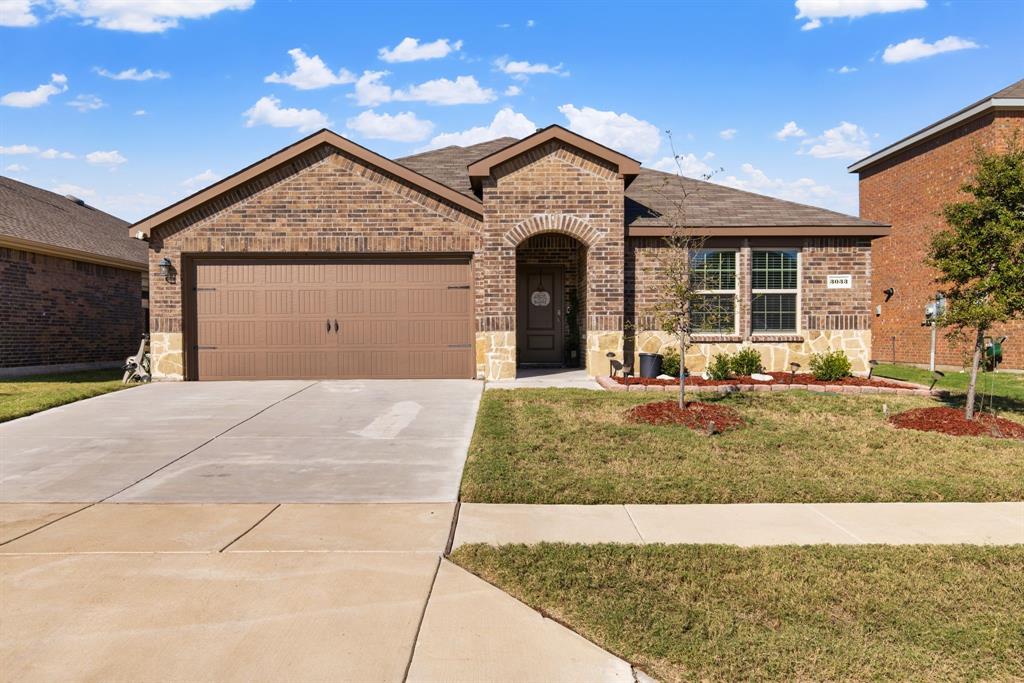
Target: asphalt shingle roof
[
  {"x": 654, "y": 198},
  {"x": 37, "y": 215}
]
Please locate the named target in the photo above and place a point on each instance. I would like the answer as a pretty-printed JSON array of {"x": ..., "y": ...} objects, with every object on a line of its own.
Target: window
[
  {"x": 713, "y": 274},
  {"x": 774, "y": 286}
]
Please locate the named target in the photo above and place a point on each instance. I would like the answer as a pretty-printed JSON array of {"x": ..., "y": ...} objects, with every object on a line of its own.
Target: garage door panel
[{"x": 333, "y": 318}]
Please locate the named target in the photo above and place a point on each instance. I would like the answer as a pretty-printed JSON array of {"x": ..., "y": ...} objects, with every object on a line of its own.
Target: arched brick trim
[{"x": 569, "y": 225}]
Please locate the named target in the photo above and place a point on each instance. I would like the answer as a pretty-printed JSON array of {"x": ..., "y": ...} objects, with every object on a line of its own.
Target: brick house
[
  {"x": 906, "y": 185},
  {"x": 328, "y": 260},
  {"x": 72, "y": 282}
]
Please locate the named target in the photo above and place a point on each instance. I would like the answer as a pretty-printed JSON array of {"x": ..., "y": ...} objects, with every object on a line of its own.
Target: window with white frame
[
  {"x": 775, "y": 287},
  {"x": 713, "y": 275}
]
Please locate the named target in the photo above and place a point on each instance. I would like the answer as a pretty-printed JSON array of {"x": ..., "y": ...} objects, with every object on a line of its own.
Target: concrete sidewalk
[{"x": 744, "y": 524}]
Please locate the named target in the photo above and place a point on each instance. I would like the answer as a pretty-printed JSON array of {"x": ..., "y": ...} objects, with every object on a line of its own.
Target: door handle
[
  {"x": 328, "y": 325},
  {"x": 335, "y": 325}
]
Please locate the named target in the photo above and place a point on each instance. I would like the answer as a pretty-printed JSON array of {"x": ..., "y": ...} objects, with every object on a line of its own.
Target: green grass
[
  {"x": 1008, "y": 386},
  {"x": 787, "y": 613},
  {"x": 23, "y": 396},
  {"x": 574, "y": 446}
]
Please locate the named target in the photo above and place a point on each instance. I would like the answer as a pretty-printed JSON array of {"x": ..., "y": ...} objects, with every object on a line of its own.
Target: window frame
[
  {"x": 735, "y": 292},
  {"x": 798, "y": 291}
]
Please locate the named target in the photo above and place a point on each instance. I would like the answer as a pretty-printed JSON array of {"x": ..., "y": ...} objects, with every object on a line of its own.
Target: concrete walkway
[
  {"x": 548, "y": 378},
  {"x": 263, "y": 592},
  {"x": 744, "y": 525}
]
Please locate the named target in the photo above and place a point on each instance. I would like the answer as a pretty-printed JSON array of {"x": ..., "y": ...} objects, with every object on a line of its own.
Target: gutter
[{"x": 71, "y": 254}]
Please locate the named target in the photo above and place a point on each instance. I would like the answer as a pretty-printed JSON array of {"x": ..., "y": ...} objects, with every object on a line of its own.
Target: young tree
[
  {"x": 980, "y": 257},
  {"x": 680, "y": 305}
]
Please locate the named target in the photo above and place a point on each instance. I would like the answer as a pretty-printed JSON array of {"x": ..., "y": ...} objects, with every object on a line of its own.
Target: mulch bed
[
  {"x": 696, "y": 415},
  {"x": 951, "y": 421},
  {"x": 777, "y": 378}
]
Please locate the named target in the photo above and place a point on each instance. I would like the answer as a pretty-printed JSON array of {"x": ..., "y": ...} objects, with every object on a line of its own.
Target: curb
[{"x": 906, "y": 388}]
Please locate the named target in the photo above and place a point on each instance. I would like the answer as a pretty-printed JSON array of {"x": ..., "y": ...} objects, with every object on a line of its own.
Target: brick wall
[
  {"x": 55, "y": 311},
  {"x": 908, "y": 190},
  {"x": 321, "y": 202}
]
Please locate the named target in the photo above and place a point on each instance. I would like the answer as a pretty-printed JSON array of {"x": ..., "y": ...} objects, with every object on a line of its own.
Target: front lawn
[
  {"x": 710, "y": 612},
  {"x": 574, "y": 446},
  {"x": 22, "y": 396},
  {"x": 1003, "y": 385}
]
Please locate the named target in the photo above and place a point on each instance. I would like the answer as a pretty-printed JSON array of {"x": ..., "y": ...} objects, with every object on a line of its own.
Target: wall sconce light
[
  {"x": 889, "y": 292},
  {"x": 167, "y": 269}
]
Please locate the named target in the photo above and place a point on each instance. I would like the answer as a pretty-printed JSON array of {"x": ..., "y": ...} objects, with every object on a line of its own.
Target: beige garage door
[{"x": 276, "y": 319}]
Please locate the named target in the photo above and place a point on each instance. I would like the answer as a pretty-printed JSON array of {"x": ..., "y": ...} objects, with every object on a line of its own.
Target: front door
[{"x": 540, "y": 337}]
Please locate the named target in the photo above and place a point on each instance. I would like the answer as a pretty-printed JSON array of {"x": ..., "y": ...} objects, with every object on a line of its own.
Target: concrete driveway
[{"x": 243, "y": 442}]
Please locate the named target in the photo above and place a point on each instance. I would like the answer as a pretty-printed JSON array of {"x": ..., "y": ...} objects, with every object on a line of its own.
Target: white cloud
[
  {"x": 146, "y": 16},
  {"x": 844, "y": 69},
  {"x": 18, "y": 149},
  {"x": 790, "y": 130},
  {"x": 132, "y": 74},
  {"x": 370, "y": 91},
  {"x": 310, "y": 73},
  {"x": 845, "y": 141},
  {"x": 73, "y": 190},
  {"x": 34, "y": 98},
  {"x": 727, "y": 134},
  {"x": 84, "y": 103},
  {"x": 916, "y": 48},
  {"x": 55, "y": 154},
  {"x": 17, "y": 13},
  {"x": 513, "y": 90},
  {"x": 803, "y": 190},
  {"x": 410, "y": 50},
  {"x": 621, "y": 132},
  {"x": 15, "y": 168},
  {"x": 111, "y": 158},
  {"x": 268, "y": 112},
  {"x": 689, "y": 164},
  {"x": 816, "y": 10},
  {"x": 404, "y": 127},
  {"x": 504, "y": 25},
  {"x": 522, "y": 70},
  {"x": 506, "y": 123},
  {"x": 200, "y": 179},
  {"x": 530, "y": 23},
  {"x": 139, "y": 112}
]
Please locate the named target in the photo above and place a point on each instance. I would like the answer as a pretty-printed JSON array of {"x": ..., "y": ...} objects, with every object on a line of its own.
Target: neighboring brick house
[
  {"x": 72, "y": 284},
  {"x": 906, "y": 184},
  {"x": 328, "y": 260}
]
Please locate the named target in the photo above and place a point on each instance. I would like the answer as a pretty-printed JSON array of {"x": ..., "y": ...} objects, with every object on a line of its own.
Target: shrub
[
  {"x": 746, "y": 362},
  {"x": 831, "y": 365},
  {"x": 720, "y": 367},
  {"x": 670, "y": 363}
]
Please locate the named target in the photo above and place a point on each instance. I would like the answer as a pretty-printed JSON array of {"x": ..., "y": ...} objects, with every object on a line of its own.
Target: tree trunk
[
  {"x": 979, "y": 345},
  {"x": 682, "y": 370}
]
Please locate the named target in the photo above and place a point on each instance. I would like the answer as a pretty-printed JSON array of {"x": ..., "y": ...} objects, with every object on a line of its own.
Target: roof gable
[
  {"x": 626, "y": 167},
  {"x": 270, "y": 163}
]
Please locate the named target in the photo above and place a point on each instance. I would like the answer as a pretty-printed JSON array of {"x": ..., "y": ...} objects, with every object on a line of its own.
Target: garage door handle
[
  {"x": 335, "y": 325},
  {"x": 328, "y": 325}
]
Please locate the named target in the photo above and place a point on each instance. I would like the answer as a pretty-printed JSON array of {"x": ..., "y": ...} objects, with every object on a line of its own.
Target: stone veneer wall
[
  {"x": 324, "y": 202},
  {"x": 830, "y": 319},
  {"x": 552, "y": 188}
]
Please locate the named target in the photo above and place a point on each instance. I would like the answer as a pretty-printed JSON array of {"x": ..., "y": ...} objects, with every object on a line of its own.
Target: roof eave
[
  {"x": 145, "y": 226},
  {"x": 762, "y": 231},
  {"x": 993, "y": 104}
]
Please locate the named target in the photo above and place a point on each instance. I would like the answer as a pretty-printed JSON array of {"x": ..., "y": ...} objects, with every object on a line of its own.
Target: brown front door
[
  {"x": 540, "y": 337},
  {"x": 346, "y": 319}
]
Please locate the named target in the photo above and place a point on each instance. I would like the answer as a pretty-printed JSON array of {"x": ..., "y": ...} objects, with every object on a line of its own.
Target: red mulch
[
  {"x": 696, "y": 415},
  {"x": 779, "y": 378},
  {"x": 951, "y": 421}
]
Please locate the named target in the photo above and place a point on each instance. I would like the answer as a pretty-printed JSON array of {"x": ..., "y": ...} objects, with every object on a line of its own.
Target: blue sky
[{"x": 134, "y": 104}]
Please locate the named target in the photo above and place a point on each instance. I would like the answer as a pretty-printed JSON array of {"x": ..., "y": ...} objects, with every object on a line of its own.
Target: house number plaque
[{"x": 540, "y": 298}]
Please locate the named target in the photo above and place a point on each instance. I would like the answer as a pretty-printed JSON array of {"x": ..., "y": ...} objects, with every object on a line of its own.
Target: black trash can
[{"x": 650, "y": 365}]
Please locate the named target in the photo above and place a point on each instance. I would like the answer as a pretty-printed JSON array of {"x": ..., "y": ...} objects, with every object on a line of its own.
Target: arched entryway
[{"x": 551, "y": 293}]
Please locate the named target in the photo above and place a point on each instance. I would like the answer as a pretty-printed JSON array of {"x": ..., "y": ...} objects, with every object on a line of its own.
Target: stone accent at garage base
[
  {"x": 496, "y": 355},
  {"x": 166, "y": 356},
  {"x": 775, "y": 355},
  {"x": 599, "y": 343}
]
